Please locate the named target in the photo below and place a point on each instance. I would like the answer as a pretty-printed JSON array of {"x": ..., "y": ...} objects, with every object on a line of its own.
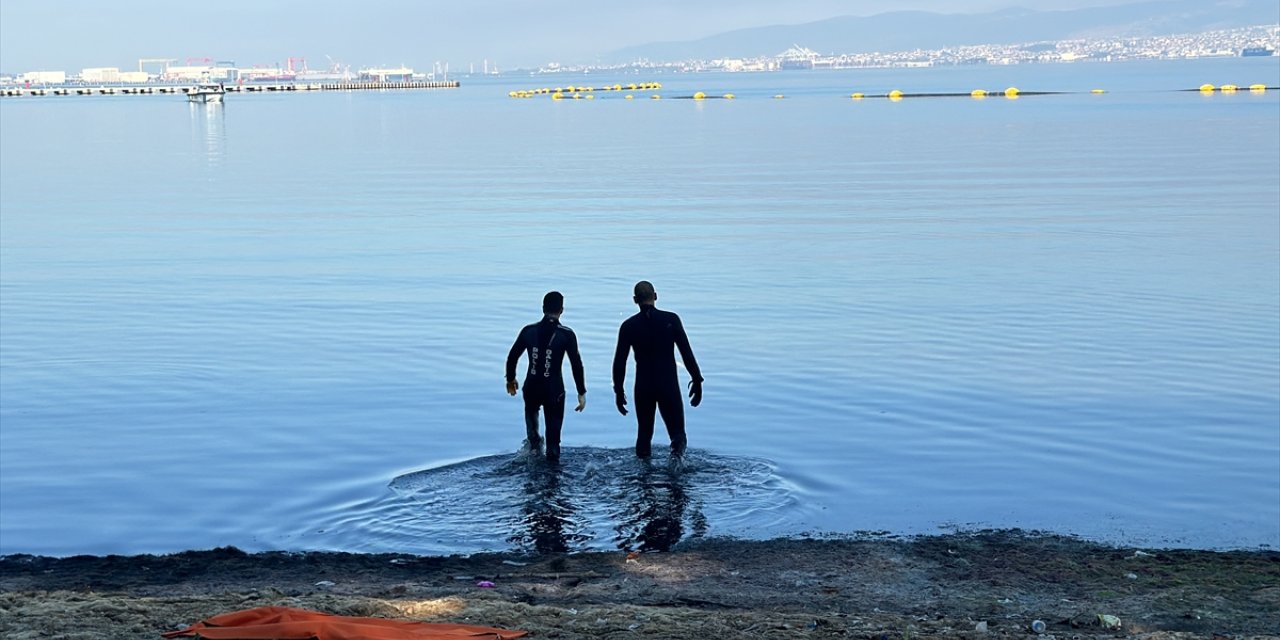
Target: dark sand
[{"x": 891, "y": 589}]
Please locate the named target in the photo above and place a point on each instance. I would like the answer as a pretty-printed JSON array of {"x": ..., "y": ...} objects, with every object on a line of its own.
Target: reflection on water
[
  {"x": 208, "y": 126},
  {"x": 548, "y": 517},
  {"x": 649, "y": 510},
  {"x": 595, "y": 499},
  {"x": 655, "y": 507}
]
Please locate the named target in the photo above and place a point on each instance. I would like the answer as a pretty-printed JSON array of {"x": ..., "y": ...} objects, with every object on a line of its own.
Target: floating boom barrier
[
  {"x": 1231, "y": 88},
  {"x": 588, "y": 93},
  {"x": 559, "y": 93}
]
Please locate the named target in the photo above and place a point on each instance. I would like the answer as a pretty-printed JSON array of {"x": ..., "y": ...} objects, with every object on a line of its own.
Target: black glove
[
  {"x": 695, "y": 393},
  {"x": 620, "y": 399}
]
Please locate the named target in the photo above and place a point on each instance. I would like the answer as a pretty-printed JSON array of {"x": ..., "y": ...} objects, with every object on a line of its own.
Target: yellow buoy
[
  {"x": 895, "y": 94},
  {"x": 778, "y": 96},
  {"x": 729, "y": 96},
  {"x": 1207, "y": 88},
  {"x": 1011, "y": 92},
  {"x": 617, "y": 87},
  {"x": 590, "y": 97},
  {"x": 978, "y": 93},
  {"x": 511, "y": 94},
  {"x": 630, "y": 97},
  {"x": 557, "y": 96},
  {"x": 1097, "y": 91},
  {"x": 1229, "y": 88},
  {"x": 657, "y": 85},
  {"x": 856, "y": 96},
  {"x": 1257, "y": 88},
  {"x": 632, "y": 86},
  {"x": 655, "y": 97},
  {"x": 699, "y": 96}
]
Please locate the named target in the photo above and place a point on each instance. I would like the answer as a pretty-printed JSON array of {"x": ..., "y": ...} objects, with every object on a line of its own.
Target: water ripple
[{"x": 597, "y": 499}]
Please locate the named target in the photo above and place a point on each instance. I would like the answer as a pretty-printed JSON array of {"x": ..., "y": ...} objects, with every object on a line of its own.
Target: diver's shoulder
[{"x": 670, "y": 316}]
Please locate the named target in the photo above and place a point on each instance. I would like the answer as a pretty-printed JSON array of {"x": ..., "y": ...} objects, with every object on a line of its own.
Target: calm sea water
[{"x": 281, "y": 323}]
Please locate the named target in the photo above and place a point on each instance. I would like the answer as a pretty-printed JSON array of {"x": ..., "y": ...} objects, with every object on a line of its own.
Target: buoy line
[{"x": 578, "y": 93}]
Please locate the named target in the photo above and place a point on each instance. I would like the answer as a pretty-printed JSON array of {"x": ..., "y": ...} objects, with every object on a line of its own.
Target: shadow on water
[{"x": 596, "y": 499}]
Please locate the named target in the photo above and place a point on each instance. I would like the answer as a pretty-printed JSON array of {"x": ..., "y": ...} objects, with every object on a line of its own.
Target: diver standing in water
[
  {"x": 654, "y": 335},
  {"x": 546, "y": 342}
]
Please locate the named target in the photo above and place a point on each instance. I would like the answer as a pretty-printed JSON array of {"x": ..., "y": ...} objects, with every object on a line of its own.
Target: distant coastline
[
  {"x": 1246, "y": 41},
  {"x": 1261, "y": 40}
]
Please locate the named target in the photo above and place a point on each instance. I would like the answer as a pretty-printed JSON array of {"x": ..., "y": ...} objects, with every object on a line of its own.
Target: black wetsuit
[
  {"x": 546, "y": 342},
  {"x": 654, "y": 335}
]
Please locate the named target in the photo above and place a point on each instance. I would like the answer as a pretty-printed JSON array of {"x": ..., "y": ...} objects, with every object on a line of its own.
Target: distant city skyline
[{"x": 75, "y": 34}]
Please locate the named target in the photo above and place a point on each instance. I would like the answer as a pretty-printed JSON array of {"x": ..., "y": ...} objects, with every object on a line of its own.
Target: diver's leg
[
  {"x": 553, "y": 411},
  {"x": 531, "y": 406},
  {"x": 646, "y": 412},
  {"x": 671, "y": 405}
]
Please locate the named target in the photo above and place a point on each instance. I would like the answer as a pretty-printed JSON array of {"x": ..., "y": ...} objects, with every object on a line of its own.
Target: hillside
[{"x": 907, "y": 30}]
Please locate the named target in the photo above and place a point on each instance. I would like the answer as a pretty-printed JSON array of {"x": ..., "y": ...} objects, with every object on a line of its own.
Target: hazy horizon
[{"x": 72, "y": 35}]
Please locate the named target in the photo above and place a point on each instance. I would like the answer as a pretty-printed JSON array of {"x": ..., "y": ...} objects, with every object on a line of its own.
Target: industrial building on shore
[{"x": 166, "y": 70}]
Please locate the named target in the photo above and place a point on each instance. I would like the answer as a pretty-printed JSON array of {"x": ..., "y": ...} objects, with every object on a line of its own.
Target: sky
[{"x": 70, "y": 35}]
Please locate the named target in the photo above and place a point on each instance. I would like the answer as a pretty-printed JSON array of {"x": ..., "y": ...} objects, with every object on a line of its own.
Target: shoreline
[{"x": 965, "y": 585}]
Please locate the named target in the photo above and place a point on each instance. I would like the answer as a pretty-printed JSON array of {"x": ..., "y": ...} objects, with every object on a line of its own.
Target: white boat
[{"x": 207, "y": 93}]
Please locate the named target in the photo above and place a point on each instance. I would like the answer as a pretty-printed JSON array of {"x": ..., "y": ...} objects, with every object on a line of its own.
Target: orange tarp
[{"x": 285, "y": 623}]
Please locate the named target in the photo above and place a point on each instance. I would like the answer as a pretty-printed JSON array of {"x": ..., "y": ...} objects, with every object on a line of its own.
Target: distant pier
[{"x": 256, "y": 87}]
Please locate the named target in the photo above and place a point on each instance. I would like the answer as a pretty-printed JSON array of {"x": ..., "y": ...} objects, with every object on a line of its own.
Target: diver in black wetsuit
[
  {"x": 546, "y": 342},
  {"x": 654, "y": 335}
]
